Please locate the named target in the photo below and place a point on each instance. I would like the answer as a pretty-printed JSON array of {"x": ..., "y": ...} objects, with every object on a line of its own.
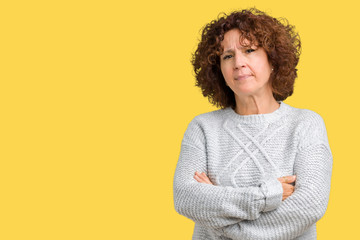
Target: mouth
[{"x": 242, "y": 77}]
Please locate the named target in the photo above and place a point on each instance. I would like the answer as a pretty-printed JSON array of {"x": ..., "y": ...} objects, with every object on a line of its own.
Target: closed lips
[{"x": 242, "y": 77}]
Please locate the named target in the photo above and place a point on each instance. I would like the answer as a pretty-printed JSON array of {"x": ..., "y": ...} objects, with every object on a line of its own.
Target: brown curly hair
[{"x": 279, "y": 40}]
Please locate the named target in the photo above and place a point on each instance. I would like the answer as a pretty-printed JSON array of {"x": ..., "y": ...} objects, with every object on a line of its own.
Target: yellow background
[{"x": 96, "y": 96}]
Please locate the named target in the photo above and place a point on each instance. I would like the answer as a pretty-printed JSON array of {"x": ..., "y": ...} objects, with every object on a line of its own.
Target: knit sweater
[{"x": 243, "y": 155}]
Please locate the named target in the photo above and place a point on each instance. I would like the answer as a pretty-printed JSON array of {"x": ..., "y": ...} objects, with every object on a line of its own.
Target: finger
[
  {"x": 204, "y": 175},
  {"x": 287, "y": 179},
  {"x": 198, "y": 179},
  {"x": 290, "y": 179},
  {"x": 288, "y": 186},
  {"x": 281, "y": 179},
  {"x": 201, "y": 177},
  {"x": 206, "y": 179},
  {"x": 289, "y": 192},
  {"x": 198, "y": 174}
]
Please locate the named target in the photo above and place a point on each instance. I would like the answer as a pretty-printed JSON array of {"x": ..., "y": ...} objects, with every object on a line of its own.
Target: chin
[{"x": 245, "y": 92}]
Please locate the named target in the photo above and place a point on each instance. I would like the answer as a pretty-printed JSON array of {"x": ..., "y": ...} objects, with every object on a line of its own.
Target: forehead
[{"x": 233, "y": 38}]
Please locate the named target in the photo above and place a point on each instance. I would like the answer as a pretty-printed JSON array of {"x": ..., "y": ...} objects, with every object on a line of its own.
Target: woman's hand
[
  {"x": 288, "y": 189},
  {"x": 202, "y": 178}
]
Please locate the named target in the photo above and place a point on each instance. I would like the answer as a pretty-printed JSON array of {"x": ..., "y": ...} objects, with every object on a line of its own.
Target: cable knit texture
[{"x": 243, "y": 155}]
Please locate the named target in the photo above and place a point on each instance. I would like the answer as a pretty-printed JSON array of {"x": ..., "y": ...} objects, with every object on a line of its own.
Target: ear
[{"x": 271, "y": 67}]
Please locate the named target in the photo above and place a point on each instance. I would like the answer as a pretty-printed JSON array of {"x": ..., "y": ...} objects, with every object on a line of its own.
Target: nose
[{"x": 240, "y": 61}]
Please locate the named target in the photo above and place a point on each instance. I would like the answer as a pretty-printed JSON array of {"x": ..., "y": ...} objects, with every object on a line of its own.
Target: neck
[{"x": 256, "y": 105}]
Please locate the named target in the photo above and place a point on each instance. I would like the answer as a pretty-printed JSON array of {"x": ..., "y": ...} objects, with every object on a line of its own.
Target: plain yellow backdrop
[{"x": 96, "y": 96}]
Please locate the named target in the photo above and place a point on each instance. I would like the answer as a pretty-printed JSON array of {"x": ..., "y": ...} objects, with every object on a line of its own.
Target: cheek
[
  {"x": 263, "y": 69},
  {"x": 226, "y": 71},
  {"x": 222, "y": 66}
]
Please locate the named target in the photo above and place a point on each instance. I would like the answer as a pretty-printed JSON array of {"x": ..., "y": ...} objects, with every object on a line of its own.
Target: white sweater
[{"x": 243, "y": 155}]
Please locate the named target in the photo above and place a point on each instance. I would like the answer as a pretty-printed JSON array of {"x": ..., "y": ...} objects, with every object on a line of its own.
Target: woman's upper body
[
  {"x": 243, "y": 155},
  {"x": 246, "y": 64}
]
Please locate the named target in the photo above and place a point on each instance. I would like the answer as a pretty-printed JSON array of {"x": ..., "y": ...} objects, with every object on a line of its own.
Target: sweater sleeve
[
  {"x": 308, "y": 203},
  {"x": 216, "y": 206}
]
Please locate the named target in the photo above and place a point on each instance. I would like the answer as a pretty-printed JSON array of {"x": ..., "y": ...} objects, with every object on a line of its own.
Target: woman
[{"x": 257, "y": 168}]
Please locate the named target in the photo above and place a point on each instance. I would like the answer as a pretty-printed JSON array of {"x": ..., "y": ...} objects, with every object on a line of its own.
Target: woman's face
[{"x": 246, "y": 69}]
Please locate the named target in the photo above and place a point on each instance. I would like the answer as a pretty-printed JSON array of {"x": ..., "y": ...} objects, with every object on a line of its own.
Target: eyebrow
[{"x": 231, "y": 50}]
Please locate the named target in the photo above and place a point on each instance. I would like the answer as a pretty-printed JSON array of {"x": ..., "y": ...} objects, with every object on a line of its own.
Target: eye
[
  {"x": 227, "y": 57},
  {"x": 250, "y": 50}
]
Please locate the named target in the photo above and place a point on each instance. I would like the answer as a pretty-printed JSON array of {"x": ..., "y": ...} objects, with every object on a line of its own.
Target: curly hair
[{"x": 279, "y": 40}]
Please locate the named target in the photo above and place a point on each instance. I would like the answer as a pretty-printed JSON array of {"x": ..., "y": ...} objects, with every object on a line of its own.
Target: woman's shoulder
[
  {"x": 210, "y": 120},
  {"x": 310, "y": 126},
  {"x": 202, "y": 125},
  {"x": 306, "y": 116},
  {"x": 207, "y": 121}
]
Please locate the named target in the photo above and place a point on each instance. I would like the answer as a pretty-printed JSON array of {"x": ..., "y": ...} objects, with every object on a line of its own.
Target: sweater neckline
[{"x": 258, "y": 118}]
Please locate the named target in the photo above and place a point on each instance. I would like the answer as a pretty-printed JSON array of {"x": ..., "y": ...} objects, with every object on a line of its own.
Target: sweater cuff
[{"x": 273, "y": 192}]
